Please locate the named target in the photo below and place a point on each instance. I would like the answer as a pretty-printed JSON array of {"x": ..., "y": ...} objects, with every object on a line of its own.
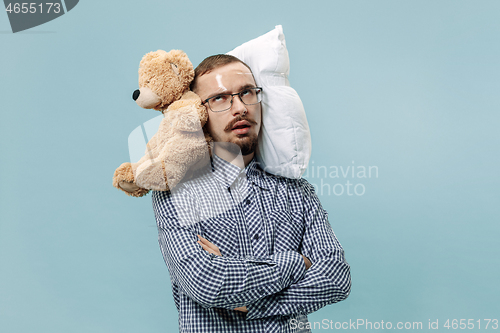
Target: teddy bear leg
[
  {"x": 151, "y": 174},
  {"x": 123, "y": 179},
  {"x": 160, "y": 175}
]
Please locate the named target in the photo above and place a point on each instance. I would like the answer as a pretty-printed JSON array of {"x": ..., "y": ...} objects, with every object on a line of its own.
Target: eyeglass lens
[{"x": 223, "y": 102}]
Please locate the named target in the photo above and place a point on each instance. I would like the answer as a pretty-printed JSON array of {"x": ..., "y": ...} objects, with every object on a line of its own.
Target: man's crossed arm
[
  {"x": 212, "y": 248},
  {"x": 328, "y": 281},
  {"x": 210, "y": 280},
  {"x": 264, "y": 286}
]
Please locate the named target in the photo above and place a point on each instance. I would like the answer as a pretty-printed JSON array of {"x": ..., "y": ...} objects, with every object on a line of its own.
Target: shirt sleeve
[
  {"x": 211, "y": 280},
  {"x": 327, "y": 281}
]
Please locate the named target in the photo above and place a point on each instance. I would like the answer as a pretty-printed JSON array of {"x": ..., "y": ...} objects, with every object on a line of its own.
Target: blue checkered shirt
[{"x": 261, "y": 224}]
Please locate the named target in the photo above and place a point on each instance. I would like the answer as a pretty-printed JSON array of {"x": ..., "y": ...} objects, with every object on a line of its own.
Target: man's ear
[{"x": 192, "y": 86}]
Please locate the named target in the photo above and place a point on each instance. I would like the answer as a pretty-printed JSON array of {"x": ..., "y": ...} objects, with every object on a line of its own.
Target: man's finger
[
  {"x": 242, "y": 309},
  {"x": 206, "y": 248},
  {"x": 204, "y": 241},
  {"x": 208, "y": 243},
  {"x": 306, "y": 261}
]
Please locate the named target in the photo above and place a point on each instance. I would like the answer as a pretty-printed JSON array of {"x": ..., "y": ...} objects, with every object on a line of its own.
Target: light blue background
[{"x": 411, "y": 87}]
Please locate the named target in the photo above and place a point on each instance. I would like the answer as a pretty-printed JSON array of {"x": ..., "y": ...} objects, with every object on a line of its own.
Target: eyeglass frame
[{"x": 232, "y": 97}]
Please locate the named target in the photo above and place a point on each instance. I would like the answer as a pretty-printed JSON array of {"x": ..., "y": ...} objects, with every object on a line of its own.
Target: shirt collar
[{"x": 226, "y": 173}]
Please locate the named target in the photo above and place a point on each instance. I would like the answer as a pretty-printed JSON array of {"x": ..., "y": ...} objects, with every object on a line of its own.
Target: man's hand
[
  {"x": 307, "y": 261},
  {"x": 208, "y": 246},
  {"x": 212, "y": 248},
  {"x": 242, "y": 309}
]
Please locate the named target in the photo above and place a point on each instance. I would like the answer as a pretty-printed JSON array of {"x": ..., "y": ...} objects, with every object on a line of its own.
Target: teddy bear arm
[
  {"x": 187, "y": 114},
  {"x": 186, "y": 119}
]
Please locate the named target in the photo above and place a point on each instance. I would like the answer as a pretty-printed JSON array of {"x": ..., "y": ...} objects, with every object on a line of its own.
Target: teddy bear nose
[{"x": 136, "y": 94}]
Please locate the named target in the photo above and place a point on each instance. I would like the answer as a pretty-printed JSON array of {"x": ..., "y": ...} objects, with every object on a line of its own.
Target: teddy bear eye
[{"x": 174, "y": 68}]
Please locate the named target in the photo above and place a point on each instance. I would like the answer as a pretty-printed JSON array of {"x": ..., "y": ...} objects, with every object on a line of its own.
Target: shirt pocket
[
  {"x": 221, "y": 232},
  {"x": 289, "y": 230}
]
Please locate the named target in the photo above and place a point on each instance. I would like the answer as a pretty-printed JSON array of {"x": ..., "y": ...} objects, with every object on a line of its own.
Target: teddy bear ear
[
  {"x": 148, "y": 57},
  {"x": 153, "y": 55},
  {"x": 161, "y": 53}
]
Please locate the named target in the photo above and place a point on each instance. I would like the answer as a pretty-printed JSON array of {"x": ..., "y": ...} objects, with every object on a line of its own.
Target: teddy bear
[{"x": 181, "y": 144}]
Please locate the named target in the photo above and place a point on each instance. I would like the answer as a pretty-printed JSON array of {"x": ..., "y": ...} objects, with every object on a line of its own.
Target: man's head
[{"x": 225, "y": 74}]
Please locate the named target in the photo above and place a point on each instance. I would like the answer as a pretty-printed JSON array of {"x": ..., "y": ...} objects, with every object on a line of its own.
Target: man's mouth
[
  {"x": 241, "y": 124},
  {"x": 241, "y": 127}
]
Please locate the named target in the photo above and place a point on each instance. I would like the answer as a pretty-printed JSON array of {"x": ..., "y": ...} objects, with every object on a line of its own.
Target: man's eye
[
  {"x": 246, "y": 92},
  {"x": 219, "y": 99}
]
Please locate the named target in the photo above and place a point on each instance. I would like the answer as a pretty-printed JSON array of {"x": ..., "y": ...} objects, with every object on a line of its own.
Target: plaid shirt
[{"x": 261, "y": 223}]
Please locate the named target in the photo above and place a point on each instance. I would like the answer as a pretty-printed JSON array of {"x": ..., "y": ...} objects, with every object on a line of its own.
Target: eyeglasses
[{"x": 224, "y": 102}]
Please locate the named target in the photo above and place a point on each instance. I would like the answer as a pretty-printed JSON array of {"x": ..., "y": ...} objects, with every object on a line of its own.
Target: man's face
[{"x": 233, "y": 125}]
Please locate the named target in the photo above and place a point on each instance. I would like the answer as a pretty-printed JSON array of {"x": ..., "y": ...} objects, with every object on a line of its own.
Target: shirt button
[
  {"x": 256, "y": 236},
  {"x": 291, "y": 277},
  {"x": 262, "y": 307},
  {"x": 248, "y": 201}
]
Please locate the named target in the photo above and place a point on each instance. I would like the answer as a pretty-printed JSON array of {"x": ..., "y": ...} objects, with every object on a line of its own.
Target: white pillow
[{"x": 284, "y": 140}]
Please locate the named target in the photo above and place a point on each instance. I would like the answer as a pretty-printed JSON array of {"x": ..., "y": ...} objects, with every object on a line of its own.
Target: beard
[{"x": 247, "y": 143}]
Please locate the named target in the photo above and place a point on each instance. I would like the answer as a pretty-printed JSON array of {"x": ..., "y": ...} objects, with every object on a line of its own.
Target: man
[{"x": 247, "y": 251}]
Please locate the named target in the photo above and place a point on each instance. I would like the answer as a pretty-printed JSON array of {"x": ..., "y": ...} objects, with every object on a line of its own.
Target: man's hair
[{"x": 213, "y": 62}]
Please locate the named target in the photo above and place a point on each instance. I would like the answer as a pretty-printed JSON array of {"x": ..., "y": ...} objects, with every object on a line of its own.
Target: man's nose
[{"x": 238, "y": 107}]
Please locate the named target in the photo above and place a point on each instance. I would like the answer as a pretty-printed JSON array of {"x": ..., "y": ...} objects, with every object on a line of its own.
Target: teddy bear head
[{"x": 163, "y": 78}]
